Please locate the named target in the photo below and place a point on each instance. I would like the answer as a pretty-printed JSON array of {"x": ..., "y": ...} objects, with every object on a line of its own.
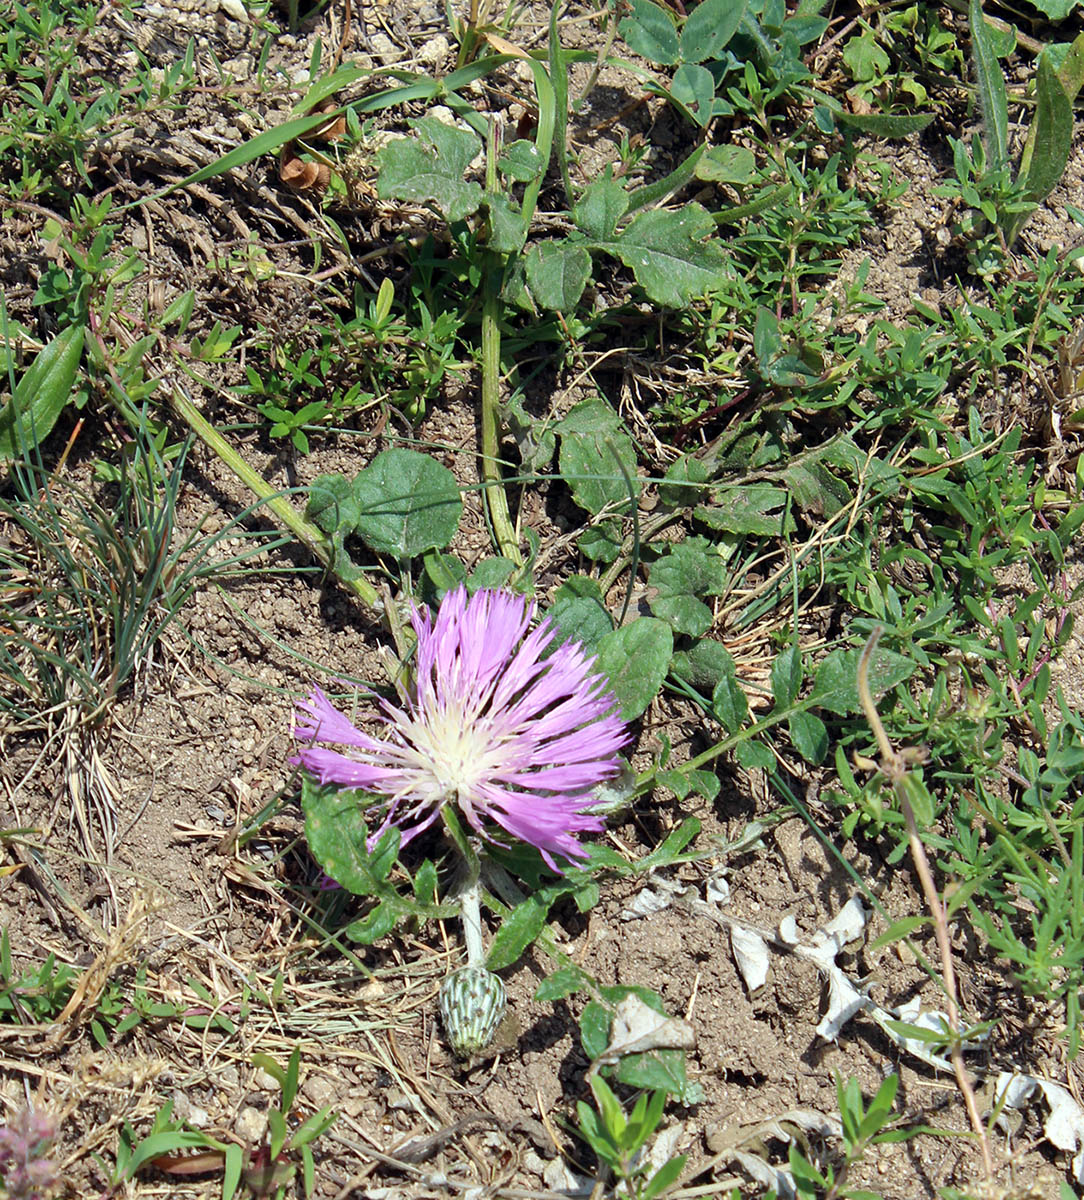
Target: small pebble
[
  {"x": 184, "y": 1110},
  {"x": 251, "y": 1125},
  {"x": 320, "y": 1092},
  {"x": 385, "y": 49},
  {"x": 434, "y": 52}
]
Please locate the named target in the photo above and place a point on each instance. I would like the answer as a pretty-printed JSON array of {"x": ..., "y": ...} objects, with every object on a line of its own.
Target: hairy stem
[
  {"x": 286, "y": 516},
  {"x": 470, "y": 909}
]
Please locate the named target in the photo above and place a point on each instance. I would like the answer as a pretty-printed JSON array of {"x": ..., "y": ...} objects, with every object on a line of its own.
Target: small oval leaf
[{"x": 41, "y": 395}]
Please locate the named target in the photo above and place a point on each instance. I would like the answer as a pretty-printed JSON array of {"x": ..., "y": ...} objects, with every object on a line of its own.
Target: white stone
[
  {"x": 385, "y": 49},
  {"x": 251, "y": 1125},
  {"x": 434, "y": 52},
  {"x": 234, "y": 9},
  {"x": 443, "y": 114},
  {"x": 184, "y": 1110},
  {"x": 319, "y": 1091}
]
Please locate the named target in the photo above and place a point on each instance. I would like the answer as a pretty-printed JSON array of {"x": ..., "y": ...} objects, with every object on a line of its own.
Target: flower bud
[{"x": 472, "y": 1002}]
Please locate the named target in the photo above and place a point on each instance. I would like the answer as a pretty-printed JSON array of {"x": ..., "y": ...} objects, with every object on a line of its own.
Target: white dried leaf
[
  {"x": 717, "y": 889},
  {"x": 559, "y": 1177},
  {"x": 654, "y": 899},
  {"x": 665, "y": 1145},
  {"x": 1012, "y": 1090},
  {"x": 645, "y": 903},
  {"x": 849, "y": 923},
  {"x": 912, "y": 1013},
  {"x": 788, "y": 931},
  {"x": 779, "y": 1179},
  {"x": 844, "y": 1001},
  {"x": 1064, "y": 1127},
  {"x": 751, "y": 955},
  {"x": 845, "y": 927},
  {"x": 813, "y": 1122},
  {"x": 822, "y": 954},
  {"x": 638, "y": 1028}
]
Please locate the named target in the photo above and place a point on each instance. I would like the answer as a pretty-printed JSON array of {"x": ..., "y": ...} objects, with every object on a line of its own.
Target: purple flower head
[
  {"x": 26, "y": 1172},
  {"x": 511, "y": 738}
]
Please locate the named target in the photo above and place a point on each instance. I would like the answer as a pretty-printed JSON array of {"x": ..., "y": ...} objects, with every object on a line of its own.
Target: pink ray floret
[{"x": 514, "y": 739}]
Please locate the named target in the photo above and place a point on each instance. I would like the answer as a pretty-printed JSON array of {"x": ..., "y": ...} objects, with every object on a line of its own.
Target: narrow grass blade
[
  {"x": 559, "y": 80},
  {"x": 274, "y": 139}
]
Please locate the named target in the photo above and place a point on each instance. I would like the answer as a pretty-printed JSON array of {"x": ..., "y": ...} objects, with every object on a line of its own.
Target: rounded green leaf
[
  {"x": 754, "y": 756},
  {"x": 332, "y": 505},
  {"x": 703, "y": 664},
  {"x": 520, "y": 161},
  {"x": 337, "y": 835},
  {"x": 809, "y": 736},
  {"x": 727, "y": 164},
  {"x": 580, "y": 619},
  {"x": 650, "y": 32},
  {"x": 787, "y": 676},
  {"x": 836, "y": 684},
  {"x": 407, "y": 503},
  {"x": 517, "y": 931},
  {"x": 492, "y": 572},
  {"x": 693, "y": 87},
  {"x": 598, "y": 458},
  {"x": 376, "y": 924},
  {"x": 636, "y": 658},
  {"x": 709, "y": 28},
  {"x": 557, "y": 273},
  {"x": 690, "y": 570},
  {"x": 729, "y": 704}
]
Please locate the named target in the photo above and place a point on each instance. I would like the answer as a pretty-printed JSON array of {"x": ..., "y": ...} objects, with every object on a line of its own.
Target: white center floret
[{"x": 453, "y": 747}]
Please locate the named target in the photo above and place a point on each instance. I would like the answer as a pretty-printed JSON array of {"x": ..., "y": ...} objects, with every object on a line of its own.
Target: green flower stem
[
  {"x": 496, "y": 499},
  {"x": 504, "y": 533},
  {"x": 284, "y": 512}
]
